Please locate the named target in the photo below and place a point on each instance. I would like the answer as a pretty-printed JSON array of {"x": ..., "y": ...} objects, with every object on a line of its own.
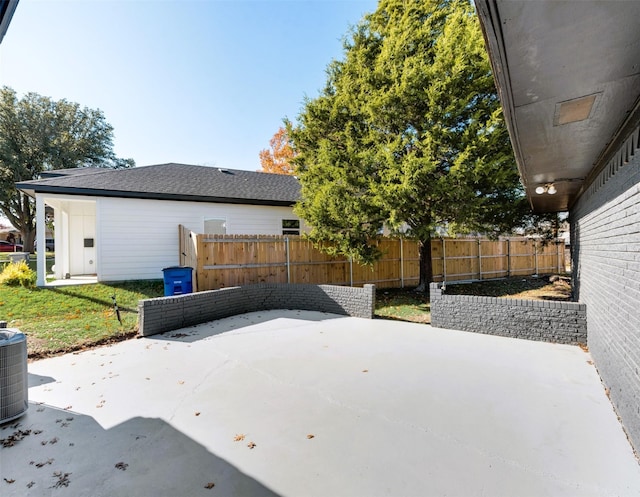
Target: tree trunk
[
  {"x": 426, "y": 265},
  {"x": 28, "y": 236}
]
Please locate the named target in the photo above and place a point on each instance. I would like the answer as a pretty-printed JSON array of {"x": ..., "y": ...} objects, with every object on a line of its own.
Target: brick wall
[
  {"x": 605, "y": 224},
  {"x": 544, "y": 320},
  {"x": 170, "y": 313}
]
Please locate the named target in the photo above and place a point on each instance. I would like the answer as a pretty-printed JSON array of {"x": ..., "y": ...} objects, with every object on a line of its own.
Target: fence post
[
  {"x": 508, "y": 257},
  {"x": 559, "y": 259},
  {"x": 350, "y": 270},
  {"x": 401, "y": 264},
  {"x": 286, "y": 248},
  {"x": 444, "y": 262},
  {"x": 535, "y": 254},
  {"x": 479, "y": 259}
]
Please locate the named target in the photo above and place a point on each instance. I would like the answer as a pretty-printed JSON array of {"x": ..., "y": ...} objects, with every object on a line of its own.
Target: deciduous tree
[
  {"x": 39, "y": 134},
  {"x": 408, "y": 133},
  {"x": 279, "y": 158}
]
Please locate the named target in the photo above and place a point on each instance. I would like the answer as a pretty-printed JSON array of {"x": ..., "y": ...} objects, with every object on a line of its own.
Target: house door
[{"x": 83, "y": 244}]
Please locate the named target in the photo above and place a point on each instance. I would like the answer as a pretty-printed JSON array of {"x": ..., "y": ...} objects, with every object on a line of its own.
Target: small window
[
  {"x": 215, "y": 227},
  {"x": 290, "y": 226}
]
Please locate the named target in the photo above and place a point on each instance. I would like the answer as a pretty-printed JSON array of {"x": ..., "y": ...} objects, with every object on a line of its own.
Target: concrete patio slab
[{"x": 295, "y": 403}]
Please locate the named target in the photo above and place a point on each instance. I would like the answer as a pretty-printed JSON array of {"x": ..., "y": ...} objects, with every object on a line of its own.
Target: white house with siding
[{"x": 123, "y": 224}]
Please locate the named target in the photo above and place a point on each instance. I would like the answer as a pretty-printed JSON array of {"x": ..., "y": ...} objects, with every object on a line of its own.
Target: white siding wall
[{"x": 137, "y": 238}]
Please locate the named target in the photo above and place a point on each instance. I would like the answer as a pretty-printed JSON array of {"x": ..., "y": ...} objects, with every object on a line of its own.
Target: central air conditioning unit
[{"x": 14, "y": 397}]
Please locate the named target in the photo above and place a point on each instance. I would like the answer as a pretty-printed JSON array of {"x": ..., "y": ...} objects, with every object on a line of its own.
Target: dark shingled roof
[{"x": 171, "y": 182}]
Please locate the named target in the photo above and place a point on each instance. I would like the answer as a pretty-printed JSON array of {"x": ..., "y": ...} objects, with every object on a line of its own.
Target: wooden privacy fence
[
  {"x": 456, "y": 259},
  {"x": 233, "y": 260}
]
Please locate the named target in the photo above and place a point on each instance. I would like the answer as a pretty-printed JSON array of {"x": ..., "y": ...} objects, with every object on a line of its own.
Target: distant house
[
  {"x": 123, "y": 224},
  {"x": 568, "y": 75}
]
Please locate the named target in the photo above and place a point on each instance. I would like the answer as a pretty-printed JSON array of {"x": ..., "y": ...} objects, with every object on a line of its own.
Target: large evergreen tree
[
  {"x": 40, "y": 134},
  {"x": 408, "y": 132}
]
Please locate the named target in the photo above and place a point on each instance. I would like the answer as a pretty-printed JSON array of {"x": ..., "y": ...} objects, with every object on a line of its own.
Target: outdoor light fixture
[{"x": 548, "y": 188}]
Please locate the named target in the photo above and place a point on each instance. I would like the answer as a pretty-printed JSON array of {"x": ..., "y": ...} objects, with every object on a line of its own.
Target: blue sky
[{"x": 200, "y": 82}]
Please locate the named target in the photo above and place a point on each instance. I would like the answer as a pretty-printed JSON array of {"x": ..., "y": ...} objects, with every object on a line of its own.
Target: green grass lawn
[
  {"x": 67, "y": 318},
  {"x": 403, "y": 305}
]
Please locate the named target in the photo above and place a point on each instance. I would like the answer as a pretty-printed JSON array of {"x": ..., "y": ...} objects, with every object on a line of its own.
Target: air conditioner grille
[{"x": 13, "y": 375}]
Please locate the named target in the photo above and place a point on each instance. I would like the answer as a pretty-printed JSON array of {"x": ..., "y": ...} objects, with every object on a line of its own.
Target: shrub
[{"x": 18, "y": 273}]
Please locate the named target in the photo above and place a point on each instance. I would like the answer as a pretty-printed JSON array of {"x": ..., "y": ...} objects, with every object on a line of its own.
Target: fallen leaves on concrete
[
  {"x": 62, "y": 479},
  {"x": 41, "y": 464},
  {"x": 15, "y": 437}
]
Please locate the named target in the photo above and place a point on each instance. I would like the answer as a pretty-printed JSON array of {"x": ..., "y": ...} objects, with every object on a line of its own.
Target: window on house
[
  {"x": 290, "y": 226},
  {"x": 215, "y": 226}
]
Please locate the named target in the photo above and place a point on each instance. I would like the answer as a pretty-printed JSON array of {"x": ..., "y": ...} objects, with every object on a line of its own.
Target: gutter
[
  {"x": 31, "y": 191},
  {"x": 494, "y": 42}
]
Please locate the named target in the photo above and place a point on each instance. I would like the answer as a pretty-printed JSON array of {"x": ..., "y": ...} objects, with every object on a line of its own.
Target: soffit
[{"x": 549, "y": 52}]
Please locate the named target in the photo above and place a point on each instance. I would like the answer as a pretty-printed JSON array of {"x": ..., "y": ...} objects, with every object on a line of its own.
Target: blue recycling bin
[{"x": 177, "y": 280}]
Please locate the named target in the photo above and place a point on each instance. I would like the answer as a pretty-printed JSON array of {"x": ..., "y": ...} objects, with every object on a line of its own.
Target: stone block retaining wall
[
  {"x": 171, "y": 313},
  {"x": 543, "y": 320}
]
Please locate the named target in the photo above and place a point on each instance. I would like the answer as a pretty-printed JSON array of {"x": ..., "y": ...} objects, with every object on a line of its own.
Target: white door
[
  {"x": 89, "y": 245},
  {"x": 82, "y": 253}
]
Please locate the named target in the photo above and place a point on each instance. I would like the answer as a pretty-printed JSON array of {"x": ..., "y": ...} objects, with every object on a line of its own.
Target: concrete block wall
[
  {"x": 605, "y": 224},
  {"x": 170, "y": 313},
  {"x": 543, "y": 320}
]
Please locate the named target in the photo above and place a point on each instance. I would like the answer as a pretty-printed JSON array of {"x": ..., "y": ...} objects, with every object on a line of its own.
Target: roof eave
[
  {"x": 7, "y": 9},
  {"x": 568, "y": 79},
  {"x": 494, "y": 42},
  {"x": 32, "y": 189}
]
